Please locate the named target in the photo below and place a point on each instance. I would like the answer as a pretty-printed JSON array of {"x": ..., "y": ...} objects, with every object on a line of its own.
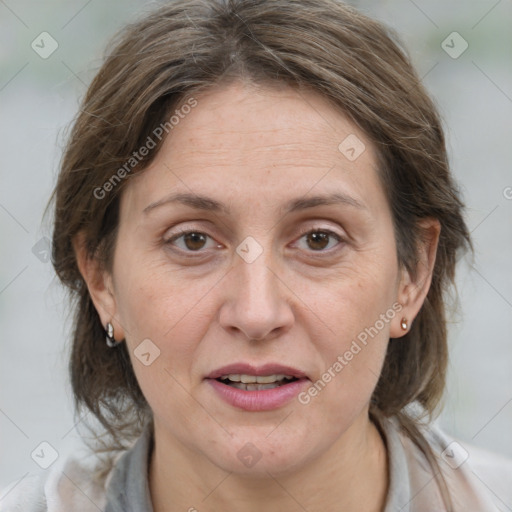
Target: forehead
[
  {"x": 269, "y": 144},
  {"x": 265, "y": 122}
]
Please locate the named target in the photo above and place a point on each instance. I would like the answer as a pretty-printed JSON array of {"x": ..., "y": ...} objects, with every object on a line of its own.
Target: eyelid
[{"x": 313, "y": 228}]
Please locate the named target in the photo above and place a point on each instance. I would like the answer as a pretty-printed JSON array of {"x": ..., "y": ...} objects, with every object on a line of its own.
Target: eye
[
  {"x": 320, "y": 239},
  {"x": 191, "y": 241}
]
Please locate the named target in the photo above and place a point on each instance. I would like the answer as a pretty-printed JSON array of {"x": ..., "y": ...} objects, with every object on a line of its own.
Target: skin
[{"x": 301, "y": 302}]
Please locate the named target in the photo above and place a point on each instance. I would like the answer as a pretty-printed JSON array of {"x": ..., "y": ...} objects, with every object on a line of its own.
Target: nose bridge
[
  {"x": 257, "y": 288},
  {"x": 256, "y": 279},
  {"x": 255, "y": 256},
  {"x": 257, "y": 304}
]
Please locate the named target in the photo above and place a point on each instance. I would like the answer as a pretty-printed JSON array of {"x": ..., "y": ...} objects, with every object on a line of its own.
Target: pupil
[
  {"x": 316, "y": 237},
  {"x": 196, "y": 239}
]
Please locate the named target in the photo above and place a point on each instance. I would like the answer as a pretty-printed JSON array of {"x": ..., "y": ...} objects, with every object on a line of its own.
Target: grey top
[{"x": 478, "y": 481}]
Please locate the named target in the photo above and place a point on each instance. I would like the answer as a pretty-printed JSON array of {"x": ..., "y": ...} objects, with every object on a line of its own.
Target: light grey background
[{"x": 38, "y": 99}]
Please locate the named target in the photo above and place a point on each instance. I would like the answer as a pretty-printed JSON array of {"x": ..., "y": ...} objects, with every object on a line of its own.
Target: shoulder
[
  {"x": 490, "y": 470},
  {"x": 26, "y": 494},
  {"x": 68, "y": 485},
  {"x": 86, "y": 481},
  {"x": 458, "y": 453},
  {"x": 489, "y": 464},
  {"x": 473, "y": 474}
]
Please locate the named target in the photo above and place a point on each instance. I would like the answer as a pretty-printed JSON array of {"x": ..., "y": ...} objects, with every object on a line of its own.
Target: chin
[{"x": 258, "y": 457}]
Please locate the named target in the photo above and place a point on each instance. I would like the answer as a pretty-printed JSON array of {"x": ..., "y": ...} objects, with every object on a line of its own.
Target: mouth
[
  {"x": 262, "y": 388},
  {"x": 255, "y": 382}
]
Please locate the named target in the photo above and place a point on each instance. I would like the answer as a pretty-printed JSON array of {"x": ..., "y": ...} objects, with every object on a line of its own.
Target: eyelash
[{"x": 194, "y": 254}]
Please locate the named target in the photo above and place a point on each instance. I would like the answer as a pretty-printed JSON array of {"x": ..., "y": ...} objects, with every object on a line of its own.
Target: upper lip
[{"x": 264, "y": 370}]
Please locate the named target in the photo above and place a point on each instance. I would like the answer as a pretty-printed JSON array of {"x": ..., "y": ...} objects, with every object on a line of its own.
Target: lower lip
[{"x": 264, "y": 400}]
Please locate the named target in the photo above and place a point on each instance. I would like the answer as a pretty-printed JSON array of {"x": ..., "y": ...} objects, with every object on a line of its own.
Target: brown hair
[{"x": 158, "y": 64}]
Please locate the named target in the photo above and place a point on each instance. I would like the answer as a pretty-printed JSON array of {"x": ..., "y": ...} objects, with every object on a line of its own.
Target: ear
[
  {"x": 99, "y": 284},
  {"x": 413, "y": 289}
]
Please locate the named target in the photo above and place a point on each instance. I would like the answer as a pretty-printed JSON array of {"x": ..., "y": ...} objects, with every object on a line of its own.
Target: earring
[
  {"x": 403, "y": 324},
  {"x": 111, "y": 342}
]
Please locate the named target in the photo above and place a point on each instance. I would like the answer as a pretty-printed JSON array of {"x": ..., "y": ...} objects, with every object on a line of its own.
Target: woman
[{"x": 257, "y": 221}]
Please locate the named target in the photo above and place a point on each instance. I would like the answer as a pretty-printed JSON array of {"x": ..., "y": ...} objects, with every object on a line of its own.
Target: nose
[{"x": 257, "y": 303}]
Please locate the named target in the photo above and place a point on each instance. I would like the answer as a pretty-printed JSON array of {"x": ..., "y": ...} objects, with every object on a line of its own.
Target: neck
[{"x": 351, "y": 476}]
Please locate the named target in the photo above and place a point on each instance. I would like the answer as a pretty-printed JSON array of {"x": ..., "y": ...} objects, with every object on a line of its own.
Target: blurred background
[{"x": 49, "y": 52}]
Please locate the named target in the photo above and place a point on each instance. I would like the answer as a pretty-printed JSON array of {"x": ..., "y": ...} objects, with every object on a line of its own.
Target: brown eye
[
  {"x": 194, "y": 241},
  {"x": 319, "y": 240},
  {"x": 190, "y": 241}
]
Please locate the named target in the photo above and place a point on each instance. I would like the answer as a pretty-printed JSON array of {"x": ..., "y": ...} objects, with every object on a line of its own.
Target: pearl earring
[{"x": 111, "y": 342}]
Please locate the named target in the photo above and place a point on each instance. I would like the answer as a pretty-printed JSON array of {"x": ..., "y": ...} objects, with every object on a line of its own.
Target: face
[{"x": 256, "y": 245}]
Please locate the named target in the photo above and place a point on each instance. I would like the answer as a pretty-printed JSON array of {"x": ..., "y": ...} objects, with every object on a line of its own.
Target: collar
[{"x": 128, "y": 488}]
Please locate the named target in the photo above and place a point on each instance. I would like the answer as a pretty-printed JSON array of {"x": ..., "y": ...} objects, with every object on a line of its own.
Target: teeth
[
  {"x": 267, "y": 379},
  {"x": 232, "y": 377},
  {"x": 256, "y": 379},
  {"x": 254, "y": 387}
]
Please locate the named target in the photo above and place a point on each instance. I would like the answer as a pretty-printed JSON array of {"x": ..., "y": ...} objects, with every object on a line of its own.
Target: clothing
[{"x": 482, "y": 483}]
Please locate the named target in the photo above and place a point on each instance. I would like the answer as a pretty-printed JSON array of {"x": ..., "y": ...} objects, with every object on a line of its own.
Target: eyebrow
[{"x": 200, "y": 202}]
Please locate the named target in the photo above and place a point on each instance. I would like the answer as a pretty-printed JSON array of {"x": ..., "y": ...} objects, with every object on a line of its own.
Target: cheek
[
  {"x": 174, "y": 314},
  {"x": 156, "y": 302},
  {"x": 169, "y": 328},
  {"x": 355, "y": 301},
  {"x": 357, "y": 312},
  {"x": 351, "y": 371}
]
